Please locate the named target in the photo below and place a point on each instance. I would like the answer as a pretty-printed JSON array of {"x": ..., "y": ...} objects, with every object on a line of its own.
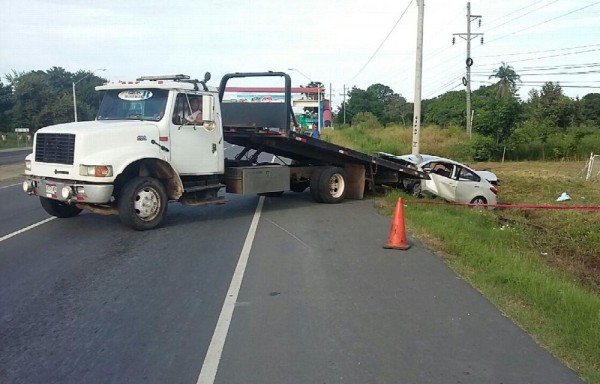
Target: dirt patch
[{"x": 13, "y": 171}]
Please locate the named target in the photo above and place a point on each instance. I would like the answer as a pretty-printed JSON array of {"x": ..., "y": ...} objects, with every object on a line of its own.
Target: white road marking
[
  {"x": 8, "y": 186},
  {"x": 26, "y": 229},
  {"x": 215, "y": 349}
]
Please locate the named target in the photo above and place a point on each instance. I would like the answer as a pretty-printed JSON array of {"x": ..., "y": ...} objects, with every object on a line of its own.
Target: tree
[
  {"x": 378, "y": 99},
  {"x": 590, "y": 108},
  {"x": 41, "y": 98},
  {"x": 359, "y": 100},
  {"x": 396, "y": 109},
  {"x": 445, "y": 110},
  {"x": 495, "y": 117},
  {"x": 551, "y": 105},
  {"x": 507, "y": 85},
  {"x": 32, "y": 94},
  {"x": 7, "y": 102}
]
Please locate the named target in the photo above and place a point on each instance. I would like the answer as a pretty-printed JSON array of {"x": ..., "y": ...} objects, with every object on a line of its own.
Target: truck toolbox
[{"x": 253, "y": 180}]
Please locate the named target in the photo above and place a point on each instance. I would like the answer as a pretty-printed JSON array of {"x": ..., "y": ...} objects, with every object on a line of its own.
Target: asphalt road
[
  {"x": 13, "y": 156},
  {"x": 86, "y": 300}
]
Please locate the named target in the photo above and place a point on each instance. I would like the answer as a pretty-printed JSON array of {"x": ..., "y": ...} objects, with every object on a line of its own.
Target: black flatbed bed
[{"x": 269, "y": 127}]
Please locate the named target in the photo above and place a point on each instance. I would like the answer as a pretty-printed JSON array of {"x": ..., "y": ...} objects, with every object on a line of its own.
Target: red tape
[{"x": 515, "y": 206}]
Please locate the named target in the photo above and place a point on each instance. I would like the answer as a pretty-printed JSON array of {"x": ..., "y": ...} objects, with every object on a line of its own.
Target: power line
[
  {"x": 544, "y": 22},
  {"x": 523, "y": 15},
  {"x": 559, "y": 73},
  {"x": 544, "y": 68},
  {"x": 513, "y": 12},
  {"x": 550, "y": 56},
  {"x": 547, "y": 50},
  {"x": 381, "y": 45}
]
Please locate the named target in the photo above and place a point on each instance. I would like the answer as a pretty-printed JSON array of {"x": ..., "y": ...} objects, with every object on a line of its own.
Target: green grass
[
  {"x": 540, "y": 267},
  {"x": 499, "y": 260},
  {"x": 13, "y": 142}
]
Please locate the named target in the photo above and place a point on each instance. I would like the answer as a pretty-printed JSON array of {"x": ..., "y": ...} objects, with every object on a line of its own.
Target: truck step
[
  {"x": 191, "y": 201},
  {"x": 198, "y": 188}
]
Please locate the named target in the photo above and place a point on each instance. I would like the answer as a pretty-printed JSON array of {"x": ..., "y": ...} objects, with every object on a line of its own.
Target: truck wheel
[
  {"x": 142, "y": 203},
  {"x": 314, "y": 184},
  {"x": 58, "y": 208},
  {"x": 332, "y": 185}
]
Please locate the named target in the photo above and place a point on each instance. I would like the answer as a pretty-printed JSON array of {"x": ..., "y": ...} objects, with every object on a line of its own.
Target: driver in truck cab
[{"x": 195, "y": 114}]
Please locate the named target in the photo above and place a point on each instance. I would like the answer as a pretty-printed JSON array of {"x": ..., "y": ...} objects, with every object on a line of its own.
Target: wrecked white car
[{"x": 449, "y": 180}]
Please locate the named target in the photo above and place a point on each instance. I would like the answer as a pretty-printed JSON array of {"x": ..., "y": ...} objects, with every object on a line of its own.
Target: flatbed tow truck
[{"x": 142, "y": 151}]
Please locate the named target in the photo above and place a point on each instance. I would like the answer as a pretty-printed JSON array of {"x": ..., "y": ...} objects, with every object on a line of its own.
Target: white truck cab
[{"x": 147, "y": 146}]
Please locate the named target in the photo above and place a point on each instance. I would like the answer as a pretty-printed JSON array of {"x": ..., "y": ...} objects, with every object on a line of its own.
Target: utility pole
[
  {"x": 331, "y": 105},
  {"x": 418, "y": 76},
  {"x": 344, "y": 103},
  {"x": 469, "y": 62}
]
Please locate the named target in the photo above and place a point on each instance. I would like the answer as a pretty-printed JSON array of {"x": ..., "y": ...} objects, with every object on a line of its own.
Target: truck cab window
[
  {"x": 188, "y": 109},
  {"x": 134, "y": 104}
]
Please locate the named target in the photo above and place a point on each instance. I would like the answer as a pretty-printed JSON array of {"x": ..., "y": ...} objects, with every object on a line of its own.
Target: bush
[{"x": 366, "y": 120}]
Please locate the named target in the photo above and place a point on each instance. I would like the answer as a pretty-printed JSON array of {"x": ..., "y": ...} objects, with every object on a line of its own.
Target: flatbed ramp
[{"x": 270, "y": 128}]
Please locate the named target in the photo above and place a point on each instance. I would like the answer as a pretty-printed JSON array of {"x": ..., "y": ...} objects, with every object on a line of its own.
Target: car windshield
[{"x": 133, "y": 104}]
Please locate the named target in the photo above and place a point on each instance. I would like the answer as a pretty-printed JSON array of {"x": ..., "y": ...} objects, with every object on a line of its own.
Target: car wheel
[
  {"x": 416, "y": 190},
  {"x": 479, "y": 200}
]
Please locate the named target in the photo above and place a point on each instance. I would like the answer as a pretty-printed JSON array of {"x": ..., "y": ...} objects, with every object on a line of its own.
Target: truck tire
[
  {"x": 58, "y": 208},
  {"x": 332, "y": 185},
  {"x": 142, "y": 203},
  {"x": 314, "y": 184}
]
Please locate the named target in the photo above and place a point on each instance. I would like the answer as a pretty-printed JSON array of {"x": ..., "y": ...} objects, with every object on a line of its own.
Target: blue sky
[{"x": 327, "y": 41}]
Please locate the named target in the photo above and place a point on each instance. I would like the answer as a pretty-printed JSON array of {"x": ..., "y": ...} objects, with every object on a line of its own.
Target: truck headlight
[
  {"x": 28, "y": 165},
  {"x": 96, "y": 170}
]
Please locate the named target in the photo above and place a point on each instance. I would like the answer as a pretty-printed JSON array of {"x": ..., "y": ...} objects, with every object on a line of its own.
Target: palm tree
[{"x": 508, "y": 79}]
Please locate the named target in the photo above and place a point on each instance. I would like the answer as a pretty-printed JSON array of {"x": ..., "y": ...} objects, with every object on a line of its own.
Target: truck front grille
[{"x": 56, "y": 148}]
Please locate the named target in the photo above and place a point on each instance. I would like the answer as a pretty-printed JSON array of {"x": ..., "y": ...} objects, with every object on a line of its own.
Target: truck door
[{"x": 196, "y": 137}]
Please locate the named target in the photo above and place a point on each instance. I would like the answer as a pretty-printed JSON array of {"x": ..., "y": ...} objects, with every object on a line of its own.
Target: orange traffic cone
[{"x": 397, "y": 239}]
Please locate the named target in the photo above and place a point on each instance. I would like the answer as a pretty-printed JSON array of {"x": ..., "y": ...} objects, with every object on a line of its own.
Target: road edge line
[
  {"x": 6, "y": 237},
  {"x": 208, "y": 372}
]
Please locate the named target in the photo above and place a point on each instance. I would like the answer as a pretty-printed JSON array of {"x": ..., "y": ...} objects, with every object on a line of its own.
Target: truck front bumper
[{"x": 68, "y": 191}]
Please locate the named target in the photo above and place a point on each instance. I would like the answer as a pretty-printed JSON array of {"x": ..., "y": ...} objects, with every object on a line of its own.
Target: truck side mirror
[{"x": 208, "y": 108}]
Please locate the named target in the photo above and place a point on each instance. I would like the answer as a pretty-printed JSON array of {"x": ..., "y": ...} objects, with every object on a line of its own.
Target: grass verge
[{"x": 499, "y": 260}]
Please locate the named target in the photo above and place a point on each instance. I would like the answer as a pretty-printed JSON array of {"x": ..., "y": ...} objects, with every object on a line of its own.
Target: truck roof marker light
[{"x": 163, "y": 138}]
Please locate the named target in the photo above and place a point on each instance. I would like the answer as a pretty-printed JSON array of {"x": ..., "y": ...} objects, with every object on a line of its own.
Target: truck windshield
[{"x": 133, "y": 104}]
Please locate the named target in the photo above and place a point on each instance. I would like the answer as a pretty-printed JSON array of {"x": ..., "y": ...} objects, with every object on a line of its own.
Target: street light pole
[
  {"x": 75, "y": 83},
  {"x": 318, "y": 97}
]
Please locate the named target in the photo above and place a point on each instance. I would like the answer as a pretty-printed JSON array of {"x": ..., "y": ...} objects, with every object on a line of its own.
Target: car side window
[
  {"x": 442, "y": 169},
  {"x": 467, "y": 175}
]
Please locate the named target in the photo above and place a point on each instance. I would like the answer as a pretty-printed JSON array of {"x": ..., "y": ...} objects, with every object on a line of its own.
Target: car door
[
  {"x": 469, "y": 185},
  {"x": 442, "y": 181},
  {"x": 196, "y": 145}
]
